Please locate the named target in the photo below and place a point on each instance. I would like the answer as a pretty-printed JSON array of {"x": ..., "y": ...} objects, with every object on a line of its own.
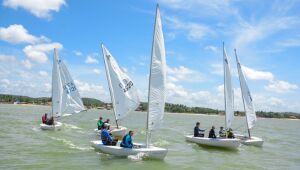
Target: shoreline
[{"x": 202, "y": 114}]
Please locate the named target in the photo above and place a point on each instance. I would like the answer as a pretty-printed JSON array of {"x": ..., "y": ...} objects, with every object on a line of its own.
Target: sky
[{"x": 266, "y": 35}]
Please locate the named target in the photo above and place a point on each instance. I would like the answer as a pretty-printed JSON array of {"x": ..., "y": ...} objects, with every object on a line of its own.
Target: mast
[
  {"x": 148, "y": 133},
  {"x": 109, "y": 85},
  {"x": 224, "y": 86},
  {"x": 239, "y": 65},
  {"x": 52, "y": 90}
]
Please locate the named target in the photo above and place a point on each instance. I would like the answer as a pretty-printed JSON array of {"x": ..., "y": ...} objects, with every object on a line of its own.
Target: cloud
[
  {"x": 217, "y": 69},
  {"x": 249, "y": 33},
  {"x": 41, "y": 9},
  {"x": 27, "y": 64},
  {"x": 211, "y": 48},
  {"x": 43, "y": 73},
  {"x": 91, "y": 60},
  {"x": 257, "y": 75},
  {"x": 16, "y": 34},
  {"x": 90, "y": 89},
  {"x": 184, "y": 74},
  {"x": 290, "y": 42},
  {"x": 96, "y": 71},
  {"x": 195, "y": 31},
  {"x": 38, "y": 53},
  {"x": 77, "y": 53},
  {"x": 281, "y": 87}
]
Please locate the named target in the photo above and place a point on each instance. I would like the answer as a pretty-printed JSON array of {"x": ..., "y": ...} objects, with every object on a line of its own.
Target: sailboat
[
  {"x": 229, "y": 114},
  {"x": 156, "y": 101},
  {"x": 248, "y": 108},
  {"x": 65, "y": 96},
  {"x": 123, "y": 92}
]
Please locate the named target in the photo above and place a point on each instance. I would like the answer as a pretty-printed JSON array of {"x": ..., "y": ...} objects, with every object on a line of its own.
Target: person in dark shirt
[
  {"x": 106, "y": 138},
  {"x": 44, "y": 118},
  {"x": 127, "y": 140},
  {"x": 230, "y": 133},
  {"x": 212, "y": 132},
  {"x": 197, "y": 131}
]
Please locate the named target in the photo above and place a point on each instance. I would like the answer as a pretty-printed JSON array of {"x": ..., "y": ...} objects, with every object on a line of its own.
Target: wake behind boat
[
  {"x": 65, "y": 96},
  {"x": 156, "y": 101}
]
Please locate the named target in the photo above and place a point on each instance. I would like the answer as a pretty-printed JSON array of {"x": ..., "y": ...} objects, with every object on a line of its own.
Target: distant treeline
[
  {"x": 169, "y": 107},
  {"x": 88, "y": 102}
]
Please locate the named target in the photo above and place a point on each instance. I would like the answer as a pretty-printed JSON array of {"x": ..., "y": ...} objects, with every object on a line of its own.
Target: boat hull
[
  {"x": 151, "y": 152},
  {"x": 253, "y": 141},
  {"x": 56, "y": 126},
  {"x": 215, "y": 142},
  {"x": 116, "y": 132}
]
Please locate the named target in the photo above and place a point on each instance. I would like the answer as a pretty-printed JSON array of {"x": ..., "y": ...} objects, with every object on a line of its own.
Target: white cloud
[
  {"x": 257, "y": 75},
  {"x": 290, "y": 42},
  {"x": 89, "y": 89},
  {"x": 43, "y": 73},
  {"x": 211, "y": 48},
  {"x": 195, "y": 31},
  {"x": 27, "y": 64},
  {"x": 184, "y": 74},
  {"x": 38, "y": 53},
  {"x": 91, "y": 60},
  {"x": 217, "y": 69},
  {"x": 18, "y": 34},
  {"x": 39, "y": 8},
  {"x": 77, "y": 53},
  {"x": 281, "y": 87},
  {"x": 96, "y": 71},
  {"x": 7, "y": 58}
]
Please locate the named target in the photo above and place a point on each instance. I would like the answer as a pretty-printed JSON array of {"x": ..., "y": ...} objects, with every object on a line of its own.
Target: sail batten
[
  {"x": 123, "y": 92},
  {"x": 228, "y": 93},
  {"x": 246, "y": 96},
  {"x": 65, "y": 95},
  {"x": 157, "y": 78}
]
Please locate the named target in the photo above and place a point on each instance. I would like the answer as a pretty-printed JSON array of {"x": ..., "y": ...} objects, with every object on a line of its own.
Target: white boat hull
[
  {"x": 151, "y": 152},
  {"x": 215, "y": 142},
  {"x": 116, "y": 132},
  {"x": 253, "y": 141},
  {"x": 57, "y": 125}
]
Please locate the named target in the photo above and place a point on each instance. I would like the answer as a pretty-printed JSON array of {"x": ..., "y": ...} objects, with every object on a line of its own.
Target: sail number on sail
[
  {"x": 70, "y": 87},
  {"x": 128, "y": 85}
]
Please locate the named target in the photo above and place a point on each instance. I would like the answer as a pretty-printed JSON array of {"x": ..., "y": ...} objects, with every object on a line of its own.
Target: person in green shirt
[{"x": 100, "y": 123}]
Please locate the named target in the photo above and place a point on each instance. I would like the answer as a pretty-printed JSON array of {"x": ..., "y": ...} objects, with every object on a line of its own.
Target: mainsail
[
  {"x": 228, "y": 93},
  {"x": 123, "y": 91},
  {"x": 246, "y": 96},
  {"x": 157, "y": 78},
  {"x": 65, "y": 96}
]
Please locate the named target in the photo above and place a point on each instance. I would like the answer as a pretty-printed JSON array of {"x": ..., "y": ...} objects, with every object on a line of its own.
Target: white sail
[
  {"x": 123, "y": 91},
  {"x": 246, "y": 96},
  {"x": 56, "y": 87},
  {"x": 70, "y": 101},
  {"x": 228, "y": 93},
  {"x": 157, "y": 77}
]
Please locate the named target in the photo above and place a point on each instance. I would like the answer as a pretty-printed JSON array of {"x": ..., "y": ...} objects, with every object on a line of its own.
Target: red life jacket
[{"x": 44, "y": 119}]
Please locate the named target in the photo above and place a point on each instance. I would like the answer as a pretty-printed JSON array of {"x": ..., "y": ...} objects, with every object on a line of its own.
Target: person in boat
[
  {"x": 44, "y": 118},
  {"x": 222, "y": 132},
  {"x": 230, "y": 134},
  {"x": 197, "y": 131},
  {"x": 106, "y": 138},
  {"x": 212, "y": 132},
  {"x": 50, "y": 121},
  {"x": 127, "y": 140},
  {"x": 107, "y": 122},
  {"x": 100, "y": 123}
]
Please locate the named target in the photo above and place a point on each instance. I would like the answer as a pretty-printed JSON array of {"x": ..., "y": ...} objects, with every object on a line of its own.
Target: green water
[{"x": 24, "y": 146}]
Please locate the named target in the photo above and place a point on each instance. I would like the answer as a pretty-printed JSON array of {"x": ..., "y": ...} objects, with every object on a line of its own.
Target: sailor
[
  {"x": 212, "y": 132},
  {"x": 50, "y": 121},
  {"x": 127, "y": 140},
  {"x": 106, "y": 138},
  {"x": 197, "y": 131},
  {"x": 222, "y": 133},
  {"x": 230, "y": 133},
  {"x": 107, "y": 121},
  {"x": 100, "y": 123},
  {"x": 44, "y": 118}
]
